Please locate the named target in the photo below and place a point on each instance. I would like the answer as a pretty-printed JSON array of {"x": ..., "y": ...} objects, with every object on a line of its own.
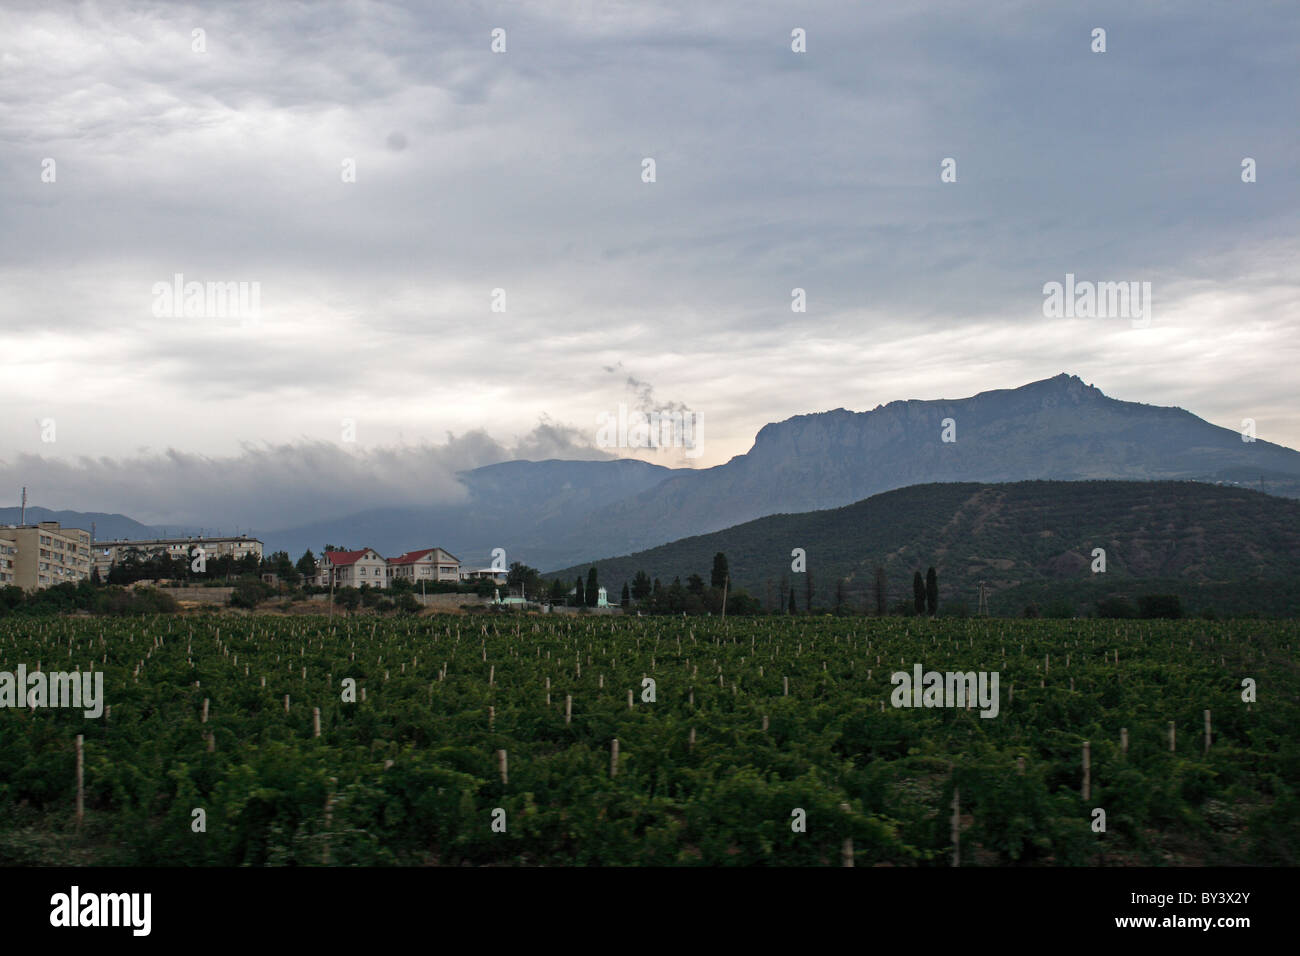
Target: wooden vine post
[
  {"x": 846, "y": 851},
  {"x": 1087, "y": 770},
  {"x": 956, "y": 827},
  {"x": 81, "y": 781}
]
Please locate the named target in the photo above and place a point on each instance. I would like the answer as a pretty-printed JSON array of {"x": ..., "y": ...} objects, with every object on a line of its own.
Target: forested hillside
[{"x": 1232, "y": 549}]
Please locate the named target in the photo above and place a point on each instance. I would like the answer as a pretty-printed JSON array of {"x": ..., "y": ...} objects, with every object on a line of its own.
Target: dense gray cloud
[
  {"x": 272, "y": 486},
  {"x": 521, "y": 171}
]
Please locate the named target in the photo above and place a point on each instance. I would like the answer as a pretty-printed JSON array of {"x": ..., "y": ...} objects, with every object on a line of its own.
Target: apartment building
[
  {"x": 351, "y": 569},
  {"x": 8, "y": 552},
  {"x": 43, "y": 555},
  {"x": 109, "y": 553},
  {"x": 429, "y": 564}
]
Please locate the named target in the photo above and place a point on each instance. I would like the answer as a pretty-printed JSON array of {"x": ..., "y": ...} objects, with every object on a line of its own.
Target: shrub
[
  {"x": 1115, "y": 607},
  {"x": 246, "y": 595},
  {"x": 1160, "y": 606}
]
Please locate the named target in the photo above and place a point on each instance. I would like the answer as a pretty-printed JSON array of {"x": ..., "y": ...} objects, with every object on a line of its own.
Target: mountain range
[
  {"x": 105, "y": 526},
  {"x": 552, "y": 514}
]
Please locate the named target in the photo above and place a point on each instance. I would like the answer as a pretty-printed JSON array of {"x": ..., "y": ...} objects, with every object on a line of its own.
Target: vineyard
[{"x": 533, "y": 740}]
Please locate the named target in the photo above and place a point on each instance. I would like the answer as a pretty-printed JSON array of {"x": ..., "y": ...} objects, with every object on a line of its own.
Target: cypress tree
[
  {"x": 931, "y": 592},
  {"x": 720, "y": 570},
  {"x": 918, "y": 593}
]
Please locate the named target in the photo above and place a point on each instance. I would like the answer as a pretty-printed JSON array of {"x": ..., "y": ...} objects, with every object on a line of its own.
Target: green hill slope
[{"x": 1228, "y": 548}]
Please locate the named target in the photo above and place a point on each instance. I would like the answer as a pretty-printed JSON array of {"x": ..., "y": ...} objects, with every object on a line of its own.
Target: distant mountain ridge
[
  {"x": 526, "y": 508},
  {"x": 106, "y": 526},
  {"x": 552, "y": 514},
  {"x": 1058, "y": 429}
]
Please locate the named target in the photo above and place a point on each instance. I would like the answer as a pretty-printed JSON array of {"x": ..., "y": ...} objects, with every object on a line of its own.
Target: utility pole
[
  {"x": 22, "y": 517},
  {"x": 331, "y": 590},
  {"x": 725, "y": 581}
]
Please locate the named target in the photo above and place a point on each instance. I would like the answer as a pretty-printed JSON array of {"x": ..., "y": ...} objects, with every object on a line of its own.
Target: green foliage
[
  {"x": 1115, "y": 607},
  {"x": 1160, "y": 605},
  {"x": 1230, "y": 548},
  {"x": 523, "y": 578},
  {"x": 1060, "y": 609},
  {"x": 247, "y": 594},
  {"x": 721, "y": 570},
  {"x": 410, "y": 775}
]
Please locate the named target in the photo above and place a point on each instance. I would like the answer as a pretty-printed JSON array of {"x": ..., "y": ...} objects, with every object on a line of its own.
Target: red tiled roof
[
  {"x": 411, "y": 556},
  {"x": 343, "y": 558}
]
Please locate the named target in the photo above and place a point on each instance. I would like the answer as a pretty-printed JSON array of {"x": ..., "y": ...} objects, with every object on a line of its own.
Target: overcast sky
[{"x": 222, "y": 157}]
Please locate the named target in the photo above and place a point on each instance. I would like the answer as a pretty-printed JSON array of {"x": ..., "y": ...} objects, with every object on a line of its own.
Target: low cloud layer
[{"x": 276, "y": 486}]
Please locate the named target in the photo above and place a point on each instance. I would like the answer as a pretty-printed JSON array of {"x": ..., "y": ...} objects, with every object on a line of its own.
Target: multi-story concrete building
[
  {"x": 109, "y": 553},
  {"x": 351, "y": 569},
  {"x": 430, "y": 564},
  {"x": 8, "y": 553},
  {"x": 45, "y": 554}
]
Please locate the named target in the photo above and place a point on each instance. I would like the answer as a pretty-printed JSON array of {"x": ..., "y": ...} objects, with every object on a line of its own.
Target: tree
[
  {"x": 627, "y": 596},
  {"x": 720, "y": 570},
  {"x": 579, "y": 593},
  {"x": 1115, "y": 607},
  {"x": 695, "y": 584},
  {"x": 556, "y": 594},
  {"x": 676, "y": 596},
  {"x": 593, "y": 587},
  {"x": 931, "y": 592},
  {"x": 307, "y": 564},
  {"x": 280, "y": 564},
  {"x": 881, "y": 588},
  {"x": 527, "y": 580},
  {"x": 918, "y": 593},
  {"x": 641, "y": 586},
  {"x": 1160, "y": 605},
  {"x": 741, "y": 602},
  {"x": 793, "y": 609}
]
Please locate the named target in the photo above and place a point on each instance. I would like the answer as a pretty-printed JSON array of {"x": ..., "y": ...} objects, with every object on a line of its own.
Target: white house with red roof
[
  {"x": 427, "y": 564},
  {"x": 351, "y": 569}
]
